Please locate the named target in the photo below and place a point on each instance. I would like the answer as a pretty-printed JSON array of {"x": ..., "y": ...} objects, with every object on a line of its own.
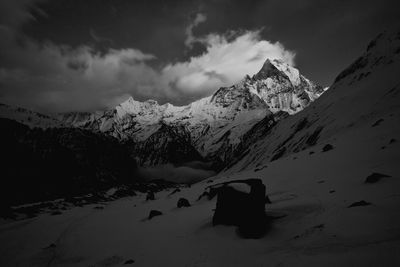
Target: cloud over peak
[{"x": 58, "y": 78}]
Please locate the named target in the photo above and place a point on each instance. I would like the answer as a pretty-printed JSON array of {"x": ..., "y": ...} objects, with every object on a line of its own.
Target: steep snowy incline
[{"x": 363, "y": 101}]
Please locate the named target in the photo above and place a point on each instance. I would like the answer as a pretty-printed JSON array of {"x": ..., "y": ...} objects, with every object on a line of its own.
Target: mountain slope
[
  {"x": 215, "y": 125},
  {"x": 367, "y": 92},
  {"x": 42, "y": 164}
]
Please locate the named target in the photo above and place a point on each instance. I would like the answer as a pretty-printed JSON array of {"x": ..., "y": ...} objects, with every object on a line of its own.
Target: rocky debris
[
  {"x": 327, "y": 147},
  {"x": 377, "y": 123},
  {"x": 150, "y": 196},
  {"x": 183, "y": 202},
  {"x": 375, "y": 177},
  {"x": 154, "y": 213},
  {"x": 243, "y": 209},
  {"x": 267, "y": 200},
  {"x": 129, "y": 262},
  {"x": 177, "y": 190},
  {"x": 52, "y": 245},
  {"x": 359, "y": 203}
]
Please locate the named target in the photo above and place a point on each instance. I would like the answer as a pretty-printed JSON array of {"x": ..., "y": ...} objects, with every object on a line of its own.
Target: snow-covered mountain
[
  {"x": 363, "y": 97},
  {"x": 212, "y": 126}
]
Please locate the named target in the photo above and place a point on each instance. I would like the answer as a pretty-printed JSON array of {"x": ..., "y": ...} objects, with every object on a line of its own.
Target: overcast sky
[{"x": 84, "y": 55}]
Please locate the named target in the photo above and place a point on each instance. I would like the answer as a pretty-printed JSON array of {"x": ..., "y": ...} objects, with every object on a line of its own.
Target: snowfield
[
  {"x": 319, "y": 228},
  {"x": 314, "y": 171}
]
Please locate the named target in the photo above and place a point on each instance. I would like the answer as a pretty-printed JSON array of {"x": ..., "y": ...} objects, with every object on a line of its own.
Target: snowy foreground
[{"x": 314, "y": 191}]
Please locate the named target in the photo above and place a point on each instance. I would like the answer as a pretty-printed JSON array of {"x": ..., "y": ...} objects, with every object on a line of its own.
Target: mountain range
[{"x": 209, "y": 129}]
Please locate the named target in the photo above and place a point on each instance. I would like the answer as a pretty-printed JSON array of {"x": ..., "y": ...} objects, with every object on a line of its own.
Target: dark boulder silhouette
[
  {"x": 375, "y": 177},
  {"x": 129, "y": 262},
  {"x": 177, "y": 190},
  {"x": 243, "y": 209},
  {"x": 183, "y": 202},
  {"x": 154, "y": 213},
  {"x": 327, "y": 147},
  {"x": 150, "y": 196},
  {"x": 359, "y": 203}
]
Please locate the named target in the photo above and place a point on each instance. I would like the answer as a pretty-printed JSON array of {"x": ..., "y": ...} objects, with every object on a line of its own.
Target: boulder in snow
[
  {"x": 154, "y": 213},
  {"x": 375, "y": 177},
  {"x": 243, "y": 209},
  {"x": 150, "y": 196},
  {"x": 183, "y": 202}
]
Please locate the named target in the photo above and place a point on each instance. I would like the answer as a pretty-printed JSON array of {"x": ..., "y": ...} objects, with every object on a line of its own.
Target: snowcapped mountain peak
[
  {"x": 268, "y": 70},
  {"x": 213, "y": 125}
]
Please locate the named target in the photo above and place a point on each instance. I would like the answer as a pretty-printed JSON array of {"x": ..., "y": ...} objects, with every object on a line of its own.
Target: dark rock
[
  {"x": 375, "y": 177},
  {"x": 129, "y": 262},
  {"x": 332, "y": 191},
  {"x": 150, "y": 196},
  {"x": 377, "y": 123},
  {"x": 56, "y": 212},
  {"x": 313, "y": 138},
  {"x": 319, "y": 226},
  {"x": 245, "y": 210},
  {"x": 280, "y": 152},
  {"x": 327, "y": 147},
  {"x": 154, "y": 213},
  {"x": 392, "y": 141},
  {"x": 359, "y": 203},
  {"x": 177, "y": 190},
  {"x": 183, "y": 202},
  {"x": 267, "y": 200},
  {"x": 321, "y": 181},
  {"x": 209, "y": 181},
  {"x": 204, "y": 194},
  {"x": 52, "y": 245}
]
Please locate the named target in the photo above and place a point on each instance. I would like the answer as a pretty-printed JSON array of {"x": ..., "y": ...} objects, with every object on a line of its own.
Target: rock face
[
  {"x": 242, "y": 206},
  {"x": 208, "y": 129},
  {"x": 46, "y": 164},
  {"x": 183, "y": 202},
  {"x": 150, "y": 196},
  {"x": 154, "y": 213}
]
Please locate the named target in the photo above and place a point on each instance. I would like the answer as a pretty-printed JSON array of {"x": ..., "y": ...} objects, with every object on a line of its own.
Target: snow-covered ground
[{"x": 314, "y": 191}]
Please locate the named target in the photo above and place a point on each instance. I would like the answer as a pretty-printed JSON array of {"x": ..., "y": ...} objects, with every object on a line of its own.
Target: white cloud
[
  {"x": 225, "y": 62},
  {"x": 59, "y": 78}
]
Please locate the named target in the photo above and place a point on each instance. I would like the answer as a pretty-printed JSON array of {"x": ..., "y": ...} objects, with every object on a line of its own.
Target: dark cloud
[{"x": 90, "y": 54}]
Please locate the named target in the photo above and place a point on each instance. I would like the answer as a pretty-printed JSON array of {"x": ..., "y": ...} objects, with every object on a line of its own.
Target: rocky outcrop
[{"x": 242, "y": 203}]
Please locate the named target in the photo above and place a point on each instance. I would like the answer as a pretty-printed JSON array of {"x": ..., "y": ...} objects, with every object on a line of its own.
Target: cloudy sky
[{"x": 84, "y": 55}]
